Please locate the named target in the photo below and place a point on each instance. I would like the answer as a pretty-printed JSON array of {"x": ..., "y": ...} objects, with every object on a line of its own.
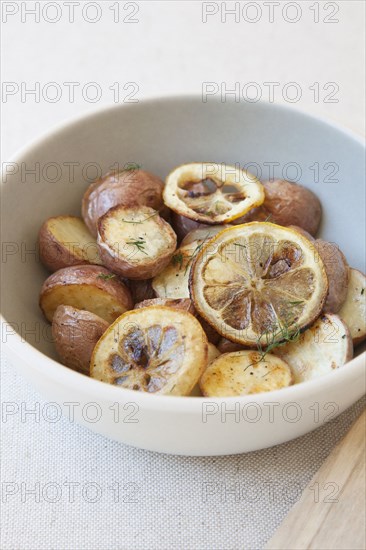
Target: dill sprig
[
  {"x": 131, "y": 166},
  {"x": 139, "y": 221},
  {"x": 139, "y": 244},
  {"x": 283, "y": 334},
  {"x": 105, "y": 276},
  {"x": 177, "y": 259}
]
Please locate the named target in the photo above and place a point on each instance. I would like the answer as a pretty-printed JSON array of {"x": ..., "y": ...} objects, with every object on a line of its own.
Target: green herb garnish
[
  {"x": 105, "y": 276},
  {"x": 131, "y": 166},
  {"x": 140, "y": 221},
  {"x": 139, "y": 244},
  {"x": 177, "y": 259},
  {"x": 362, "y": 291}
]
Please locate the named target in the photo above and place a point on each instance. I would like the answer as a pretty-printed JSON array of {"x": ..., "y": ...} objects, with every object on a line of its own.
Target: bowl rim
[{"x": 96, "y": 389}]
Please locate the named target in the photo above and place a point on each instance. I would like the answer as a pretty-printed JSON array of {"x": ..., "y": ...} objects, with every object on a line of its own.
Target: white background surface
[{"x": 168, "y": 51}]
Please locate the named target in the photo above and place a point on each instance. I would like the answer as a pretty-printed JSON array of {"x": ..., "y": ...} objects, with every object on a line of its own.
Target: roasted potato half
[
  {"x": 322, "y": 348},
  {"x": 89, "y": 287},
  {"x": 156, "y": 349},
  {"x": 287, "y": 203},
  {"x": 353, "y": 311},
  {"x": 75, "y": 333},
  {"x": 64, "y": 241},
  {"x": 337, "y": 270},
  {"x": 135, "y": 242},
  {"x": 130, "y": 187},
  {"x": 244, "y": 373}
]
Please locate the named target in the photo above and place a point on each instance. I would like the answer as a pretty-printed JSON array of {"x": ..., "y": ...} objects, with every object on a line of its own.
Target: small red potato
[
  {"x": 130, "y": 187},
  {"x": 64, "y": 241},
  {"x": 337, "y": 270},
  {"x": 135, "y": 242},
  {"x": 90, "y": 287},
  {"x": 75, "y": 333},
  {"x": 287, "y": 203}
]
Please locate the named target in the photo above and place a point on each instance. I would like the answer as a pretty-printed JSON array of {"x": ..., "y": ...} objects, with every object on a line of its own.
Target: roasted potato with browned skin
[
  {"x": 75, "y": 333},
  {"x": 337, "y": 271},
  {"x": 64, "y": 241},
  {"x": 135, "y": 242},
  {"x": 287, "y": 203},
  {"x": 90, "y": 287},
  {"x": 130, "y": 187}
]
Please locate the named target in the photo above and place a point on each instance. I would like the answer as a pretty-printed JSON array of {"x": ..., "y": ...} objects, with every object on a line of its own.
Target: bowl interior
[{"x": 50, "y": 177}]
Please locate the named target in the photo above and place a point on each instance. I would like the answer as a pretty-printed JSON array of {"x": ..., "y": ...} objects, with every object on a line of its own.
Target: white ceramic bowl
[{"x": 160, "y": 134}]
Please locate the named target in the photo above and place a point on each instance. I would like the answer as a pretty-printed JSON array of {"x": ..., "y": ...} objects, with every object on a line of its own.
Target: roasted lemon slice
[
  {"x": 256, "y": 283},
  {"x": 212, "y": 193},
  {"x": 154, "y": 349},
  {"x": 244, "y": 373}
]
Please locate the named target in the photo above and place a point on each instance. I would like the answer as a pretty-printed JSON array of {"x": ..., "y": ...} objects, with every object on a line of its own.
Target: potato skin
[
  {"x": 287, "y": 203},
  {"x": 85, "y": 275},
  {"x": 182, "y": 225},
  {"x": 53, "y": 253},
  {"x": 337, "y": 271},
  {"x": 141, "y": 290},
  {"x": 127, "y": 187},
  {"x": 119, "y": 263},
  {"x": 75, "y": 333},
  {"x": 227, "y": 346}
]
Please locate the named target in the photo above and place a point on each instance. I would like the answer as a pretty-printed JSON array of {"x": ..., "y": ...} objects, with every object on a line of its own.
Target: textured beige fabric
[{"x": 126, "y": 498}]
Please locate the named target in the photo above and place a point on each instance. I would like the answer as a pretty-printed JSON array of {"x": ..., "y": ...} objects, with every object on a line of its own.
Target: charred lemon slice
[
  {"x": 154, "y": 349},
  {"x": 212, "y": 193},
  {"x": 256, "y": 283},
  {"x": 244, "y": 373}
]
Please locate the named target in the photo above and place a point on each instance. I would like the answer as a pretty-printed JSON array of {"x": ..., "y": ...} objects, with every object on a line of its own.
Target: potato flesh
[
  {"x": 120, "y": 237},
  {"x": 135, "y": 242},
  {"x": 322, "y": 348},
  {"x": 244, "y": 373},
  {"x": 353, "y": 311},
  {"x": 172, "y": 282},
  {"x": 72, "y": 233},
  {"x": 83, "y": 296},
  {"x": 154, "y": 349}
]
